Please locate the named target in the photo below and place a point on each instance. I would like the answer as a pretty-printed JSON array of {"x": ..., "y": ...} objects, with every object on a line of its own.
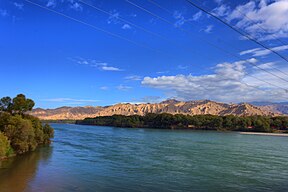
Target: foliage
[
  {"x": 5, "y": 148},
  {"x": 23, "y": 132},
  {"x": 18, "y": 105},
  {"x": 202, "y": 122}
]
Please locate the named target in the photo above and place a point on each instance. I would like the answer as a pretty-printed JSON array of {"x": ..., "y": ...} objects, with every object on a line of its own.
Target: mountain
[
  {"x": 273, "y": 107},
  {"x": 168, "y": 106}
]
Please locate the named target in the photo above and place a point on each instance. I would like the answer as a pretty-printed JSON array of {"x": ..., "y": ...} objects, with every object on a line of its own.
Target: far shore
[{"x": 267, "y": 134}]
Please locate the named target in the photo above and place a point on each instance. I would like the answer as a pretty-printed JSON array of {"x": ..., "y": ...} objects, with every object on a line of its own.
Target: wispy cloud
[
  {"x": 162, "y": 72},
  {"x": 181, "y": 19},
  {"x": 18, "y": 5},
  {"x": 208, "y": 28},
  {"x": 3, "y": 13},
  {"x": 262, "y": 52},
  {"x": 109, "y": 68},
  {"x": 182, "y": 67},
  {"x": 126, "y": 26},
  {"x": 76, "y": 6},
  {"x": 123, "y": 87},
  {"x": 133, "y": 78},
  {"x": 197, "y": 16},
  {"x": 104, "y": 88},
  {"x": 96, "y": 64},
  {"x": 51, "y": 3},
  {"x": 149, "y": 99},
  {"x": 114, "y": 17},
  {"x": 218, "y": 1},
  {"x": 70, "y": 4},
  {"x": 222, "y": 10}
]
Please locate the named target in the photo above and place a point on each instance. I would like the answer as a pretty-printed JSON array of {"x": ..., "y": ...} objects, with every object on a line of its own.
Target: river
[{"x": 94, "y": 158}]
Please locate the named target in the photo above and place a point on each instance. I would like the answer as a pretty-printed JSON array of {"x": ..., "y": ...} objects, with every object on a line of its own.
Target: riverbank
[
  {"x": 263, "y": 124},
  {"x": 266, "y": 134}
]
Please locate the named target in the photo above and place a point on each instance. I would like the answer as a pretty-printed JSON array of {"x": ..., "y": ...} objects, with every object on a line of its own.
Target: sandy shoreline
[{"x": 267, "y": 134}]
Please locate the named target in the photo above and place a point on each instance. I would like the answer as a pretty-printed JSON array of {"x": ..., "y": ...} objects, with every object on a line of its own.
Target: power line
[
  {"x": 165, "y": 20},
  {"x": 211, "y": 44},
  {"x": 137, "y": 26},
  {"x": 170, "y": 12},
  {"x": 235, "y": 29},
  {"x": 96, "y": 28},
  {"x": 124, "y": 20},
  {"x": 92, "y": 26},
  {"x": 259, "y": 26},
  {"x": 189, "y": 21}
]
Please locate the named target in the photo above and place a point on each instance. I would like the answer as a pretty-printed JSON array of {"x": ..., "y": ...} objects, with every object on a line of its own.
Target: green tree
[
  {"x": 5, "y": 148},
  {"x": 5, "y": 104},
  {"x": 21, "y": 105}
]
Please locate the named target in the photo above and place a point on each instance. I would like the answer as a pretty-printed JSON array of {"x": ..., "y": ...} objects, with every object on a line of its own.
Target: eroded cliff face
[{"x": 170, "y": 106}]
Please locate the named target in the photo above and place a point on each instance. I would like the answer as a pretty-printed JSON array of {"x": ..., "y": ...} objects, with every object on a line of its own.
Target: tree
[
  {"x": 18, "y": 105},
  {"x": 22, "y": 131},
  {"x": 21, "y": 104},
  {"x": 5, "y": 104},
  {"x": 5, "y": 148}
]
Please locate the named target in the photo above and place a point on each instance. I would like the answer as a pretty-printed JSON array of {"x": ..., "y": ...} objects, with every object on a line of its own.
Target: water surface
[{"x": 93, "y": 158}]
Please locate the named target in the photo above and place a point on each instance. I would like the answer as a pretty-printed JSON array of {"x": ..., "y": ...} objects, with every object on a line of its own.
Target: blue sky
[{"x": 141, "y": 51}]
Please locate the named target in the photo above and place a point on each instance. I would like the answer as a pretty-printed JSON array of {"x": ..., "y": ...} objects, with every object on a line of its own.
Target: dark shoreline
[{"x": 190, "y": 129}]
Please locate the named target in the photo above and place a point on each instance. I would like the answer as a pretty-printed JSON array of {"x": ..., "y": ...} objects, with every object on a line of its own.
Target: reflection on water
[{"x": 17, "y": 172}]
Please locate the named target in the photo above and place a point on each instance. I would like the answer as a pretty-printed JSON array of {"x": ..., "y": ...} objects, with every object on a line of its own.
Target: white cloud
[
  {"x": 126, "y": 26},
  {"x": 262, "y": 52},
  {"x": 228, "y": 83},
  {"x": 97, "y": 64},
  {"x": 62, "y": 100},
  {"x": 133, "y": 78},
  {"x": 249, "y": 51},
  {"x": 222, "y": 10},
  {"x": 262, "y": 19},
  {"x": 109, "y": 68},
  {"x": 18, "y": 5},
  {"x": 208, "y": 29},
  {"x": 123, "y": 88}
]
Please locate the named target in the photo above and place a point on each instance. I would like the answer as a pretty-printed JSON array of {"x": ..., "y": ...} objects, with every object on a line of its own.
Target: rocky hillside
[
  {"x": 169, "y": 106},
  {"x": 274, "y": 107}
]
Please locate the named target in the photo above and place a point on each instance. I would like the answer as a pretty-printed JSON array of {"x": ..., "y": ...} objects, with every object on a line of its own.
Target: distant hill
[
  {"x": 168, "y": 106},
  {"x": 273, "y": 107}
]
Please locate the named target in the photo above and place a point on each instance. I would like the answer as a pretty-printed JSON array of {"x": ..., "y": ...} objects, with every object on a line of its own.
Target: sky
[{"x": 97, "y": 53}]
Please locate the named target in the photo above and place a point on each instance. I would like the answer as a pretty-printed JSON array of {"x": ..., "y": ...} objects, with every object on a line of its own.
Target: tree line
[
  {"x": 20, "y": 132},
  {"x": 199, "y": 122}
]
